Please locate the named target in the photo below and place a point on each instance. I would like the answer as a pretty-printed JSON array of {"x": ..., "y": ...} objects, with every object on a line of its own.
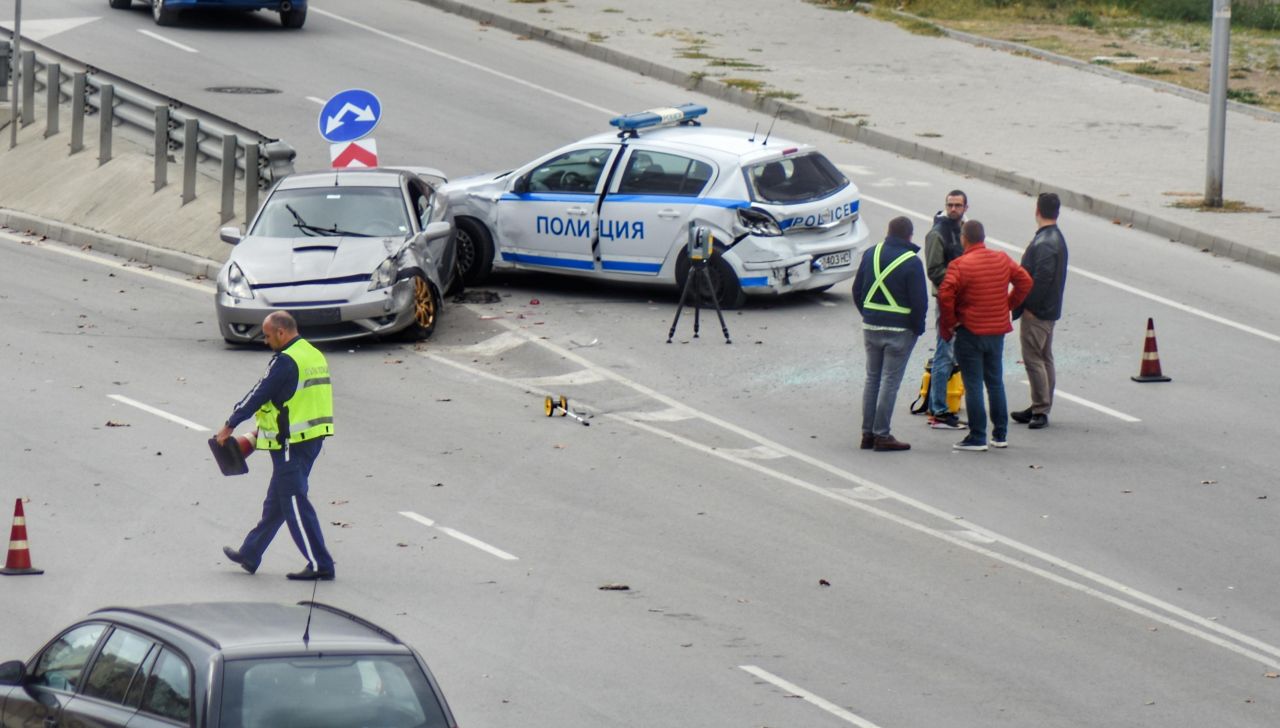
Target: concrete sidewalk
[{"x": 1124, "y": 150}]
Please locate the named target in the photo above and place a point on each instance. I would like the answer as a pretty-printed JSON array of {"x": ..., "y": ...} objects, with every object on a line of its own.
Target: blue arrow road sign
[{"x": 349, "y": 115}]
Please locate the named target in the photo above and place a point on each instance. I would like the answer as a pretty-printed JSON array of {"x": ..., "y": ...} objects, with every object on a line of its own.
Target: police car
[{"x": 619, "y": 206}]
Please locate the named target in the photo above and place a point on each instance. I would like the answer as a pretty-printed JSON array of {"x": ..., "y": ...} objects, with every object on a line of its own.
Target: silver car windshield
[
  {"x": 333, "y": 211},
  {"x": 795, "y": 179},
  {"x": 329, "y": 691}
]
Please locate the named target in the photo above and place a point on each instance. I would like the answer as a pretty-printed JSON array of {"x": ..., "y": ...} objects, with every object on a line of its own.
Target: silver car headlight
[
  {"x": 758, "y": 222},
  {"x": 237, "y": 283},
  {"x": 384, "y": 275}
]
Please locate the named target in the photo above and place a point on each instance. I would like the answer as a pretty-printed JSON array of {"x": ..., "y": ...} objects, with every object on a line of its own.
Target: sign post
[
  {"x": 15, "y": 65},
  {"x": 346, "y": 119}
]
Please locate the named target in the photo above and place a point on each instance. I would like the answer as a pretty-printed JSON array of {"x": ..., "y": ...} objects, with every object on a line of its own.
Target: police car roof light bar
[{"x": 653, "y": 118}]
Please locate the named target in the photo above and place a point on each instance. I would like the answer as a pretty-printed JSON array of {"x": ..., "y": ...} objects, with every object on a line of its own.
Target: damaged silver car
[{"x": 350, "y": 253}]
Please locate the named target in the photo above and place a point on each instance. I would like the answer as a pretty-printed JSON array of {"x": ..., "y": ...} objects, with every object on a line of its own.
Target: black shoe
[
  {"x": 1038, "y": 422},
  {"x": 868, "y": 441},
  {"x": 889, "y": 443},
  {"x": 1022, "y": 417},
  {"x": 309, "y": 574},
  {"x": 234, "y": 557}
]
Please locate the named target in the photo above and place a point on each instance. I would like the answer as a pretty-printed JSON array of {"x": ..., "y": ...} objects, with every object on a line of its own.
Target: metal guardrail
[{"x": 174, "y": 125}]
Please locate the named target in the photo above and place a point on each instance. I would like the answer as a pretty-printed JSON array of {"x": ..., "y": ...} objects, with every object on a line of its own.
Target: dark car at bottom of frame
[{"x": 223, "y": 664}]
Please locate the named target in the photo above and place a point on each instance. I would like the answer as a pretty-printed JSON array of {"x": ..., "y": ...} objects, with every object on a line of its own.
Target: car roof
[
  {"x": 710, "y": 139},
  {"x": 343, "y": 178},
  {"x": 233, "y": 626}
]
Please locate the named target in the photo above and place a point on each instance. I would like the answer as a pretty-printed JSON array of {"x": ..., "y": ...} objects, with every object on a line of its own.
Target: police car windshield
[
  {"x": 800, "y": 178},
  {"x": 334, "y": 211}
]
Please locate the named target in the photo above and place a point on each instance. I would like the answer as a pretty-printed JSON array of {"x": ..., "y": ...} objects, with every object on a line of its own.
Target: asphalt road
[{"x": 1114, "y": 569}]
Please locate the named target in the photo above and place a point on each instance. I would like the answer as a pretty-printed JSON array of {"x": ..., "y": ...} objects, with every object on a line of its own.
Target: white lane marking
[
  {"x": 1092, "y": 405},
  {"x": 314, "y": 99},
  {"x": 966, "y": 540},
  {"x": 492, "y": 346},
  {"x": 586, "y": 376},
  {"x": 465, "y": 62},
  {"x": 808, "y": 697},
  {"x": 158, "y": 412},
  {"x": 759, "y": 452},
  {"x": 109, "y": 262},
  {"x": 673, "y": 414},
  {"x": 1156, "y": 298},
  {"x": 1205, "y": 626},
  {"x": 477, "y": 543},
  {"x": 494, "y": 550},
  {"x": 163, "y": 39}
]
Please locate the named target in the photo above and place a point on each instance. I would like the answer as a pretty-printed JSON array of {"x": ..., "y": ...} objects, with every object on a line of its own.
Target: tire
[
  {"x": 120, "y": 4},
  {"x": 475, "y": 250},
  {"x": 724, "y": 283},
  {"x": 162, "y": 14},
  {"x": 426, "y": 309},
  {"x": 293, "y": 17}
]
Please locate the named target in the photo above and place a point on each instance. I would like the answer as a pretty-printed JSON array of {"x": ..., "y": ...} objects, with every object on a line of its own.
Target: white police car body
[{"x": 619, "y": 206}]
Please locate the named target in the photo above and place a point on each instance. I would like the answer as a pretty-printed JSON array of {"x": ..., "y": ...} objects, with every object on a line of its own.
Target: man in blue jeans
[
  {"x": 890, "y": 293},
  {"x": 941, "y": 246},
  {"x": 975, "y": 302}
]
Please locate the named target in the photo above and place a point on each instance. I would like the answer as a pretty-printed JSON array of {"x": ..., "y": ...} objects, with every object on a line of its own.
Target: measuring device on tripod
[{"x": 701, "y": 247}]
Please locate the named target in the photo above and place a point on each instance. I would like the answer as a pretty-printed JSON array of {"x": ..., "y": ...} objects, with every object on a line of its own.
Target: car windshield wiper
[{"x": 302, "y": 224}]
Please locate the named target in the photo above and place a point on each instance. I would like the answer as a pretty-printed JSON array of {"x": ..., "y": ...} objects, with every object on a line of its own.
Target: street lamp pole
[
  {"x": 15, "y": 64},
  {"x": 1221, "y": 60}
]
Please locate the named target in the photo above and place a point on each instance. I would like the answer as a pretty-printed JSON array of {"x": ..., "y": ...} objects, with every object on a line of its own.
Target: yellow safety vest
[
  {"x": 311, "y": 406},
  {"x": 890, "y": 304}
]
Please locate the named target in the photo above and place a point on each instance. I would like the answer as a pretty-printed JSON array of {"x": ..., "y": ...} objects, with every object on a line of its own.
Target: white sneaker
[{"x": 997, "y": 443}]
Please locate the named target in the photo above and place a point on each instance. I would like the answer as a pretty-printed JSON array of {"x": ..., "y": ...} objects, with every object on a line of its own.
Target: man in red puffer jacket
[{"x": 974, "y": 303}]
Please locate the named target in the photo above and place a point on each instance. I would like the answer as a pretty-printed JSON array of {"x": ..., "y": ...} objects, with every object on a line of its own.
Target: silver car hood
[{"x": 311, "y": 260}]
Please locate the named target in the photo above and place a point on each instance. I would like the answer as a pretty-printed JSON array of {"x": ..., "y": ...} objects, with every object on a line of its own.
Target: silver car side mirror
[
  {"x": 436, "y": 230},
  {"x": 230, "y": 235}
]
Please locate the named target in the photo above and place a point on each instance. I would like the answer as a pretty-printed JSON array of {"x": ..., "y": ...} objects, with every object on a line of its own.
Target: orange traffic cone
[
  {"x": 19, "y": 560},
  {"x": 1150, "y": 371}
]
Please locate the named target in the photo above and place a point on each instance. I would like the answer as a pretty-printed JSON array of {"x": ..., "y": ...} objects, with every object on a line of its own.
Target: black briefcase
[{"x": 228, "y": 456}]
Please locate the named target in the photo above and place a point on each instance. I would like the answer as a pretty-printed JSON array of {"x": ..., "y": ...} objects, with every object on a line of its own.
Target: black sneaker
[
  {"x": 970, "y": 443},
  {"x": 1022, "y": 417},
  {"x": 946, "y": 422},
  {"x": 1039, "y": 422}
]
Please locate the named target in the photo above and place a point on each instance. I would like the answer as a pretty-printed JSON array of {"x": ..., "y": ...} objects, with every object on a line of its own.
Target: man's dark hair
[
  {"x": 1047, "y": 205},
  {"x": 901, "y": 227},
  {"x": 959, "y": 193},
  {"x": 973, "y": 232}
]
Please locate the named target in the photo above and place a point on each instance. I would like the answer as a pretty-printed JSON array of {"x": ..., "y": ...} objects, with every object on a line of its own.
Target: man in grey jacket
[
  {"x": 941, "y": 246},
  {"x": 1046, "y": 260}
]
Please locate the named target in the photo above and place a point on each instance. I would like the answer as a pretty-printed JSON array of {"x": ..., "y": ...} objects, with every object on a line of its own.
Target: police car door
[
  {"x": 646, "y": 215},
  {"x": 548, "y": 218}
]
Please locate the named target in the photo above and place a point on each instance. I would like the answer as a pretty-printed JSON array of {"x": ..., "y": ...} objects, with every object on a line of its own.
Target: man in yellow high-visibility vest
[
  {"x": 293, "y": 408},
  {"x": 891, "y": 294}
]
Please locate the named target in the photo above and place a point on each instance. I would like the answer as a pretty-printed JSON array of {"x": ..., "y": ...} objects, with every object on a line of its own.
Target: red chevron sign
[{"x": 360, "y": 153}]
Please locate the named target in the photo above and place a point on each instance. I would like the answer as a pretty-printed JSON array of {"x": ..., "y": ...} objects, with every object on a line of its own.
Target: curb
[
  {"x": 131, "y": 250},
  {"x": 1117, "y": 213}
]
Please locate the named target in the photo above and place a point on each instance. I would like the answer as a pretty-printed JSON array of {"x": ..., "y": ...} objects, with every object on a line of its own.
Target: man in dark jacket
[
  {"x": 975, "y": 300},
  {"x": 889, "y": 291},
  {"x": 941, "y": 246},
  {"x": 1046, "y": 260}
]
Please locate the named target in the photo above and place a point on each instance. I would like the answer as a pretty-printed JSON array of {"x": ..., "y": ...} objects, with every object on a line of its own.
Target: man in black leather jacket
[{"x": 1046, "y": 260}]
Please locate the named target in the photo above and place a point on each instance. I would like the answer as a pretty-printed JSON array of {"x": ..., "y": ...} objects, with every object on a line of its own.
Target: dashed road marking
[
  {"x": 158, "y": 412},
  {"x": 585, "y": 376},
  {"x": 469, "y": 540},
  {"x": 163, "y": 39},
  {"x": 808, "y": 697}
]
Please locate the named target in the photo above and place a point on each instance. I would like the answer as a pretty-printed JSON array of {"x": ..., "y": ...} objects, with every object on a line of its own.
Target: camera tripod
[{"x": 698, "y": 272}]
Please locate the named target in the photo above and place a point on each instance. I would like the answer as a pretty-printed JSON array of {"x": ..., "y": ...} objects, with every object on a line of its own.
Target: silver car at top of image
[{"x": 350, "y": 253}]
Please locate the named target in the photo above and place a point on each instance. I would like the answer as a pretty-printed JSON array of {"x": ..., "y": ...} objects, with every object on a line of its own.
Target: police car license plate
[
  {"x": 316, "y": 316},
  {"x": 835, "y": 260}
]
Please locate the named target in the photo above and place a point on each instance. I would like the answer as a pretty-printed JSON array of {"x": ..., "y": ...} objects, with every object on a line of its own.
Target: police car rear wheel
[
  {"x": 162, "y": 13},
  {"x": 293, "y": 17},
  {"x": 426, "y": 309},
  {"x": 475, "y": 250}
]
